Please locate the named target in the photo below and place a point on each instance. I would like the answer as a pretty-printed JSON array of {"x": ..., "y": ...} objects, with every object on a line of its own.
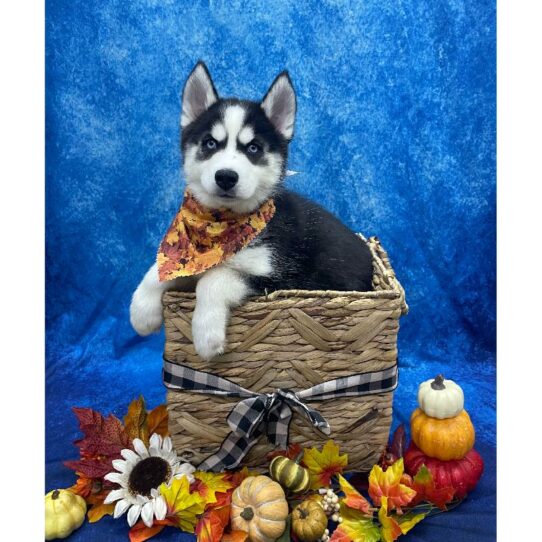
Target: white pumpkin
[{"x": 440, "y": 398}]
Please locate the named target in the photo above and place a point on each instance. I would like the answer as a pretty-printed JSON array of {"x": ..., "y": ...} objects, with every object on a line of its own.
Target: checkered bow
[{"x": 269, "y": 413}]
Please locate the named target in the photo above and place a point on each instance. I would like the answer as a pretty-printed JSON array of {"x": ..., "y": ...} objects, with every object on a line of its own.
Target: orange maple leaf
[
  {"x": 211, "y": 525},
  {"x": 140, "y": 532},
  {"x": 325, "y": 464},
  {"x": 352, "y": 498},
  {"x": 98, "y": 511},
  {"x": 235, "y": 536},
  {"x": 157, "y": 420},
  {"x": 388, "y": 484},
  {"x": 83, "y": 486}
]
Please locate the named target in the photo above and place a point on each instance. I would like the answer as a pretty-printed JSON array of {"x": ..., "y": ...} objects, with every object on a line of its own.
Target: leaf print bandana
[{"x": 200, "y": 238}]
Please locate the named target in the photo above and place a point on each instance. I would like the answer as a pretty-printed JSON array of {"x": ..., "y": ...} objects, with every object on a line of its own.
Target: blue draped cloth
[{"x": 395, "y": 134}]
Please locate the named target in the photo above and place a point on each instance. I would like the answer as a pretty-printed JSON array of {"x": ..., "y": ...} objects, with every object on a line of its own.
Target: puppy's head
[{"x": 235, "y": 151}]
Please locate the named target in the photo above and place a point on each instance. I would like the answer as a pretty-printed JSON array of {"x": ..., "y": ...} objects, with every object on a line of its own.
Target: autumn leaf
[
  {"x": 292, "y": 452},
  {"x": 407, "y": 521},
  {"x": 98, "y": 511},
  {"x": 356, "y": 526},
  {"x": 102, "y": 436},
  {"x": 211, "y": 525},
  {"x": 239, "y": 475},
  {"x": 208, "y": 484},
  {"x": 389, "y": 528},
  {"x": 388, "y": 484},
  {"x": 140, "y": 532},
  {"x": 182, "y": 505},
  {"x": 424, "y": 486},
  {"x": 339, "y": 535},
  {"x": 325, "y": 464},
  {"x": 393, "y": 527},
  {"x": 157, "y": 420},
  {"x": 235, "y": 536},
  {"x": 103, "y": 439},
  {"x": 352, "y": 498},
  {"x": 135, "y": 421},
  {"x": 83, "y": 486},
  {"x": 398, "y": 442},
  {"x": 91, "y": 468}
]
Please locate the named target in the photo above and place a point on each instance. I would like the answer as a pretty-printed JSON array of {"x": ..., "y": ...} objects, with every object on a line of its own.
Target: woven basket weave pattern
[{"x": 293, "y": 339}]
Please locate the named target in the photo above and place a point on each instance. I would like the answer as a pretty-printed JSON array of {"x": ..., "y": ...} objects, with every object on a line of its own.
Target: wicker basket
[{"x": 293, "y": 339}]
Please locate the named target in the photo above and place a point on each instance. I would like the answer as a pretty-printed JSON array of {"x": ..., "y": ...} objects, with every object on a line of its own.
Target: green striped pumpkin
[{"x": 289, "y": 474}]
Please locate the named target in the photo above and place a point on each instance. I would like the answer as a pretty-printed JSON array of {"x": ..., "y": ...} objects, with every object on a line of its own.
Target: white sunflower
[{"x": 140, "y": 474}]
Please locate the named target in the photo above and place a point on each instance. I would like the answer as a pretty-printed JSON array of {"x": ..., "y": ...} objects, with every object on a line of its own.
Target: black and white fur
[{"x": 235, "y": 154}]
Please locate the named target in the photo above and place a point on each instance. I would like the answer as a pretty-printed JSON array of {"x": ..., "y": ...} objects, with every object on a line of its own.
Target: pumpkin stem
[
  {"x": 303, "y": 513},
  {"x": 438, "y": 383},
  {"x": 247, "y": 514},
  {"x": 299, "y": 456},
  {"x": 56, "y": 494}
]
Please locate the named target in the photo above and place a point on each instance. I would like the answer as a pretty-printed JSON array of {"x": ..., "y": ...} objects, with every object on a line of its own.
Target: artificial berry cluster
[{"x": 331, "y": 505}]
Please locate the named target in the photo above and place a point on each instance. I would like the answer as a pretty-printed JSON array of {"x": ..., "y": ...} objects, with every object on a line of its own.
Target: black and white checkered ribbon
[{"x": 269, "y": 413}]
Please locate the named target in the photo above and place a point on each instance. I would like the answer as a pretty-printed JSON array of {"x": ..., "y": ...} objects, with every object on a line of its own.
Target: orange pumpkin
[{"x": 447, "y": 439}]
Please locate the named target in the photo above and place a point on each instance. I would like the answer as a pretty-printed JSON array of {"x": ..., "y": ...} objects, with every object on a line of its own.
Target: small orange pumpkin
[{"x": 447, "y": 439}]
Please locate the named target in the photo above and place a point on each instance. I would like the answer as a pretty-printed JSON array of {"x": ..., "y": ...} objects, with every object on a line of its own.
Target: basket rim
[
  {"x": 380, "y": 258},
  {"x": 275, "y": 294}
]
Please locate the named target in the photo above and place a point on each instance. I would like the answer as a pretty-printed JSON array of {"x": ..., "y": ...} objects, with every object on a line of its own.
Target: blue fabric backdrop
[{"x": 395, "y": 134}]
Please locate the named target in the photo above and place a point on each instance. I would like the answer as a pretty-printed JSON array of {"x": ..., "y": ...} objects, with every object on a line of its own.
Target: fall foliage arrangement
[{"x": 128, "y": 469}]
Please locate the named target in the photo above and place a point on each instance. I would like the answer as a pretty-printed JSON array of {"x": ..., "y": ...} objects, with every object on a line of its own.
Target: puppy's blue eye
[
  {"x": 253, "y": 148},
  {"x": 209, "y": 143}
]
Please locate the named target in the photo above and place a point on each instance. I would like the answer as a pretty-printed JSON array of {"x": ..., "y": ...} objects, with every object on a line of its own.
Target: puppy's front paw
[
  {"x": 146, "y": 312},
  {"x": 209, "y": 336}
]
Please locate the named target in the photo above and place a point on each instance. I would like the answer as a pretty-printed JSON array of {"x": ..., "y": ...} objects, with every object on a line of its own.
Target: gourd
[
  {"x": 64, "y": 512},
  {"x": 259, "y": 508},
  {"x": 446, "y": 439},
  {"x": 462, "y": 474},
  {"x": 289, "y": 474},
  {"x": 440, "y": 398},
  {"x": 309, "y": 521}
]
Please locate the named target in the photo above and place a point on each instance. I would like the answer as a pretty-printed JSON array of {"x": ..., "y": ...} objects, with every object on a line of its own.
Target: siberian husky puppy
[{"x": 235, "y": 153}]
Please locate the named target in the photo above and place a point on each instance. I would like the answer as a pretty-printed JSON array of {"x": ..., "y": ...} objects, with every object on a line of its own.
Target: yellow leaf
[
  {"x": 98, "y": 511},
  {"x": 408, "y": 521},
  {"x": 325, "y": 464},
  {"x": 389, "y": 530},
  {"x": 181, "y": 504},
  {"x": 392, "y": 527},
  {"x": 356, "y": 526},
  {"x": 135, "y": 421},
  {"x": 388, "y": 484},
  {"x": 208, "y": 484}
]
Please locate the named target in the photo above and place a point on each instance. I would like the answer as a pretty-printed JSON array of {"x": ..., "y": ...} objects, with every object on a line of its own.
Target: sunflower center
[{"x": 149, "y": 473}]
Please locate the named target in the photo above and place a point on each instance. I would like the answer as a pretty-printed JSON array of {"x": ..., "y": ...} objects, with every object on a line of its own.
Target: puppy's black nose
[{"x": 226, "y": 178}]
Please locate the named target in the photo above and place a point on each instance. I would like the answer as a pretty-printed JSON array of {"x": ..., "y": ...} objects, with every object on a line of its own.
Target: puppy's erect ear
[
  {"x": 279, "y": 105},
  {"x": 198, "y": 95}
]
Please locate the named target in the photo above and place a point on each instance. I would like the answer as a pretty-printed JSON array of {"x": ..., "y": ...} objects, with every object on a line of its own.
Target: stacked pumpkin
[{"x": 443, "y": 437}]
